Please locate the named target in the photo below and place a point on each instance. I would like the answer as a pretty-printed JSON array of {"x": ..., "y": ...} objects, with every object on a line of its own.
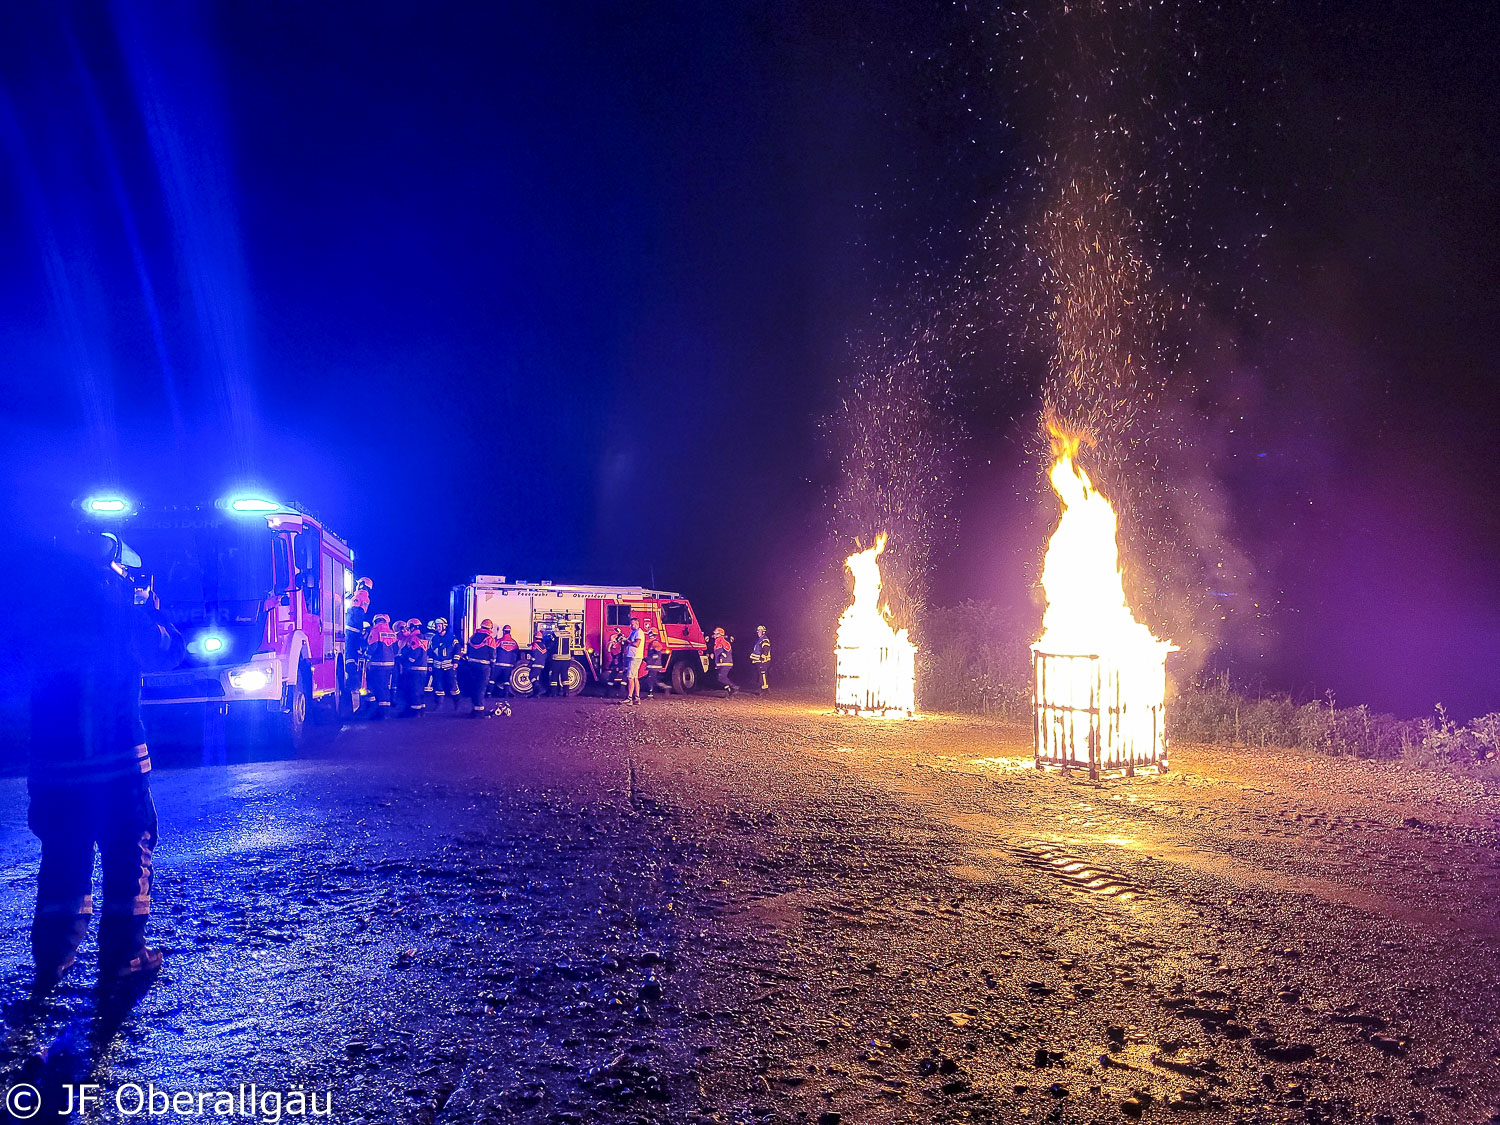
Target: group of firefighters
[
  {"x": 421, "y": 666},
  {"x": 89, "y": 780}
]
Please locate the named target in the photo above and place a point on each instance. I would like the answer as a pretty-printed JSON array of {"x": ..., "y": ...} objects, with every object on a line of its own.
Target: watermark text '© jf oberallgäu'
[{"x": 246, "y": 1102}]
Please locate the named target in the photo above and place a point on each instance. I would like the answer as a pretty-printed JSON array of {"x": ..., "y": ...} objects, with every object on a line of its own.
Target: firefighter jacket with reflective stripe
[
  {"x": 507, "y": 652},
  {"x": 86, "y": 681},
  {"x": 441, "y": 651},
  {"x": 723, "y": 655},
  {"x": 356, "y": 619},
  {"x": 656, "y": 657},
  {"x": 761, "y": 652},
  {"x": 414, "y": 655},
  {"x": 478, "y": 650},
  {"x": 380, "y": 646}
]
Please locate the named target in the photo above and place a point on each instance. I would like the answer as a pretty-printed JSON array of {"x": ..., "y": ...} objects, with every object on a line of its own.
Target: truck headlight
[{"x": 252, "y": 678}]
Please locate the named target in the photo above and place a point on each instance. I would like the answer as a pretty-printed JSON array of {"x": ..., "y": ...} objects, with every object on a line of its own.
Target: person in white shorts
[{"x": 635, "y": 655}]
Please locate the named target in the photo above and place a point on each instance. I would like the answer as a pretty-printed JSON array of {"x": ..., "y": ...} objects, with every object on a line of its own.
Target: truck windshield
[{"x": 206, "y": 563}]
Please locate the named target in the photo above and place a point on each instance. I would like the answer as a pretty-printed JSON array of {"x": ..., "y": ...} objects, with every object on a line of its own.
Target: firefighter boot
[
  {"x": 55, "y": 938},
  {"x": 123, "y": 953}
]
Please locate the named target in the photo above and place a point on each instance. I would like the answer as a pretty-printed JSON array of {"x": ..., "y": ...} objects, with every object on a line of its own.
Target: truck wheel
[
  {"x": 346, "y": 694},
  {"x": 348, "y": 703},
  {"x": 293, "y": 721},
  {"x": 577, "y": 678},
  {"x": 521, "y": 679},
  {"x": 684, "y": 677}
]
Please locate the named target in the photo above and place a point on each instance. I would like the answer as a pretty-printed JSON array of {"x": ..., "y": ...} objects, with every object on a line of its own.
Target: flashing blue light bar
[
  {"x": 253, "y": 504},
  {"x": 107, "y": 506},
  {"x": 208, "y": 644}
]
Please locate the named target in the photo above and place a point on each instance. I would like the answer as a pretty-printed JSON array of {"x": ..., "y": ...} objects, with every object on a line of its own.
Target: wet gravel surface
[{"x": 738, "y": 910}]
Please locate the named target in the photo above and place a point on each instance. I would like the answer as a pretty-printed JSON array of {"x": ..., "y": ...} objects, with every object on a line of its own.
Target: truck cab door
[
  {"x": 286, "y": 604},
  {"x": 646, "y": 613},
  {"x": 315, "y": 593},
  {"x": 678, "y": 627}
]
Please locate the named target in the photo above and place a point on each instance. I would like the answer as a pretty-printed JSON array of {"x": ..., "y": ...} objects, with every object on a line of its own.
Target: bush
[
  {"x": 976, "y": 658},
  {"x": 806, "y": 667}
]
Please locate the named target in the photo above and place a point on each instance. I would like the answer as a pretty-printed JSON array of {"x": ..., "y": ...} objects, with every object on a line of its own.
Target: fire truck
[
  {"x": 583, "y": 618},
  {"x": 257, "y": 589}
]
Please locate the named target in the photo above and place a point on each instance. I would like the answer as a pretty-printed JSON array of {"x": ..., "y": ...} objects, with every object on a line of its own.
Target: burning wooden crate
[
  {"x": 875, "y": 679},
  {"x": 1100, "y": 714},
  {"x": 875, "y": 664}
]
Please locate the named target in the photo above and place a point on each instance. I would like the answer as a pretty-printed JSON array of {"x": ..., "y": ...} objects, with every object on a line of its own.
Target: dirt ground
[{"x": 752, "y": 909}]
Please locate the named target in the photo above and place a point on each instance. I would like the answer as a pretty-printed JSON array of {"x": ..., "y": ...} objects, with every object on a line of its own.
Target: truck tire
[
  {"x": 684, "y": 676},
  {"x": 292, "y": 722},
  {"x": 522, "y": 680},
  {"x": 577, "y": 678},
  {"x": 348, "y": 703}
]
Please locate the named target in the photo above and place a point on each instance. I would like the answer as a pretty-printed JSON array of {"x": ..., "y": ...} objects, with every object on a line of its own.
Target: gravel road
[{"x": 752, "y": 909}]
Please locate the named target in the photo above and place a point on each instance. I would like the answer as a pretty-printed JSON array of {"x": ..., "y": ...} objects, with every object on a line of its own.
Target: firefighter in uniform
[
  {"x": 656, "y": 662},
  {"x": 540, "y": 652},
  {"x": 413, "y": 661},
  {"x": 380, "y": 663},
  {"x": 760, "y": 657},
  {"x": 356, "y": 621},
  {"x": 474, "y": 668},
  {"x": 614, "y": 660},
  {"x": 507, "y": 655},
  {"x": 442, "y": 657},
  {"x": 561, "y": 657},
  {"x": 89, "y": 778},
  {"x": 723, "y": 660}
]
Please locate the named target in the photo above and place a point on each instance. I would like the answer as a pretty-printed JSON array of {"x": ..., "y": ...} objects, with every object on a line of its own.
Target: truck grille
[{"x": 186, "y": 687}]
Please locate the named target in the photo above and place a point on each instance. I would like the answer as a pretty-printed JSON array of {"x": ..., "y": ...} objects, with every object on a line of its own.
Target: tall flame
[
  {"x": 1114, "y": 699},
  {"x": 876, "y": 662}
]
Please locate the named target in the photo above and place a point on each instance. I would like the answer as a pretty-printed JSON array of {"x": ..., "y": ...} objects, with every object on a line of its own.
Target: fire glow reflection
[
  {"x": 1100, "y": 675},
  {"x": 875, "y": 663}
]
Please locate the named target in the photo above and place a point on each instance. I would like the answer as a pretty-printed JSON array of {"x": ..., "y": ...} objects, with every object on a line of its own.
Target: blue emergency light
[
  {"x": 107, "y": 506},
  {"x": 253, "y": 505},
  {"x": 208, "y": 644}
]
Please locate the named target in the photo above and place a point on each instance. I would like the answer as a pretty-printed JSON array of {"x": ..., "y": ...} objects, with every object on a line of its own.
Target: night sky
[{"x": 565, "y": 291}]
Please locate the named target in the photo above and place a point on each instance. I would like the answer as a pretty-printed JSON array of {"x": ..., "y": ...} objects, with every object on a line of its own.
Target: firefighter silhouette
[{"x": 90, "y": 770}]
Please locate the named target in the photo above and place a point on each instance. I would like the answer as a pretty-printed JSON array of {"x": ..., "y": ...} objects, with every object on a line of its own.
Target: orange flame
[
  {"x": 875, "y": 661},
  {"x": 1088, "y": 615}
]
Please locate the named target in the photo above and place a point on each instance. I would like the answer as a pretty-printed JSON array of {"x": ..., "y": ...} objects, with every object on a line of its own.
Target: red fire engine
[
  {"x": 257, "y": 589},
  {"x": 583, "y": 618}
]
